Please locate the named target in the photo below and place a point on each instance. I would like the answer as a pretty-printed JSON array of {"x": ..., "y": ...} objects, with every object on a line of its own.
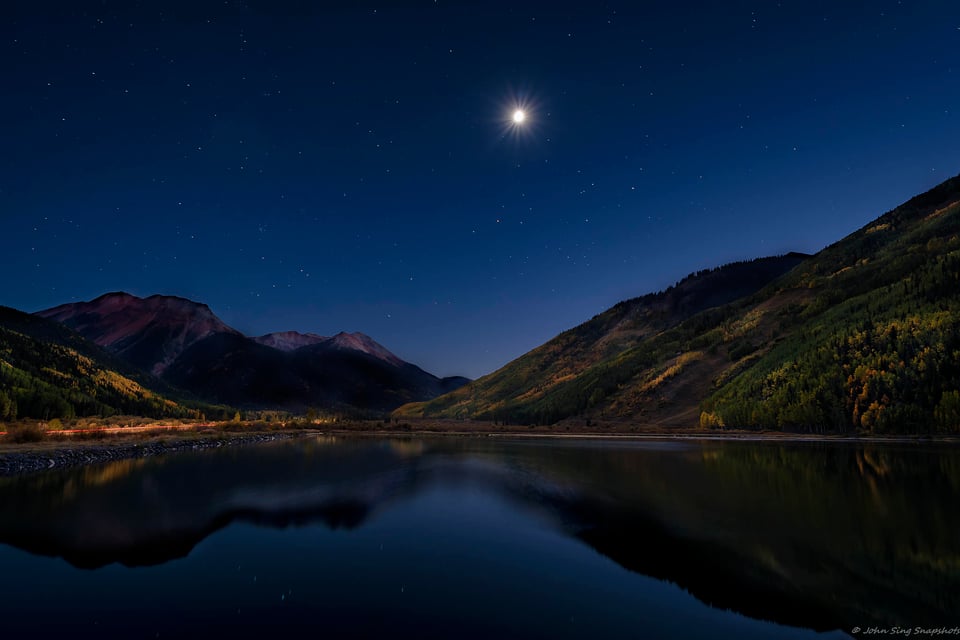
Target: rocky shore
[{"x": 20, "y": 463}]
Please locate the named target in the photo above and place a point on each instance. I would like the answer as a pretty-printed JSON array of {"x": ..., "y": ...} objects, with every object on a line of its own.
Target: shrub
[{"x": 30, "y": 432}]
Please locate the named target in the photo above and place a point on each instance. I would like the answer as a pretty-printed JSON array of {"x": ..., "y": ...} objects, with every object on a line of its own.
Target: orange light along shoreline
[
  {"x": 426, "y": 427},
  {"x": 152, "y": 427}
]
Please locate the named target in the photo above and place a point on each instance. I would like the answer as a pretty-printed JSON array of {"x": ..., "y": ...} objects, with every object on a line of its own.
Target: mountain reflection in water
[{"x": 824, "y": 536}]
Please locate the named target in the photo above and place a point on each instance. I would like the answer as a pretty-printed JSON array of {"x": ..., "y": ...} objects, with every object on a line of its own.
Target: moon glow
[{"x": 519, "y": 116}]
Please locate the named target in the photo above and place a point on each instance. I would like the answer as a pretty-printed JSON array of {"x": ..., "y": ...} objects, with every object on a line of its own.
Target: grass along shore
[{"x": 30, "y": 447}]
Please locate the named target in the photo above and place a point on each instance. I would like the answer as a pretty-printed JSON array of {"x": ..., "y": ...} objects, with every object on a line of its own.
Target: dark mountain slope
[
  {"x": 227, "y": 365},
  {"x": 236, "y": 370},
  {"x": 370, "y": 380}
]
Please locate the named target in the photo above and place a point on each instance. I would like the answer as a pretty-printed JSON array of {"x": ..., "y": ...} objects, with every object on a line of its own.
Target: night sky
[{"x": 355, "y": 168}]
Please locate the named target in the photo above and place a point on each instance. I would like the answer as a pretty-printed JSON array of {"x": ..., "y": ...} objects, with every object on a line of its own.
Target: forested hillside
[
  {"x": 877, "y": 347},
  {"x": 581, "y": 371},
  {"x": 864, "y": 336},
  {"x": 48, "y": 371}
]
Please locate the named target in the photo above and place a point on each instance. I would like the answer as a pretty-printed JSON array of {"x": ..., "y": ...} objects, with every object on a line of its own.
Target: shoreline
[
  {"x": 32, "y": 460},
  {"x": 20, "y": 460},
  {"x": 732, "y": 436}
]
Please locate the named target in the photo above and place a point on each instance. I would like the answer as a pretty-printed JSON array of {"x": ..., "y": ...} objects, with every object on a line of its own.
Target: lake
[{"x": 481, "y": 537}]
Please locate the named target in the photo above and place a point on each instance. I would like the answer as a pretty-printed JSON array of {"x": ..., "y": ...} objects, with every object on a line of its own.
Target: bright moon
[{"x": 519, "y": 116}]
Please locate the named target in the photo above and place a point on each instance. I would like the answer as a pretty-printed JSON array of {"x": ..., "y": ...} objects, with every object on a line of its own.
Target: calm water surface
[{"x": 482, "y": 537}]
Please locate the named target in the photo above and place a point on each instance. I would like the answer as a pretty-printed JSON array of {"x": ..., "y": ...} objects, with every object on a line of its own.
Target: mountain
[
  {"x": 863, "y": 336},
  {"x": 49, "y": 371},
  {"x": 148, "y": 332},
  {"x": 364, "y": 344},
  {"x": 293, "y": 340},
  {"x": 535, "y": 387},
  {"x": 183, "y": 343},
  {"x": 289, "y": 340},
  {"x": 236, "y": 370}
]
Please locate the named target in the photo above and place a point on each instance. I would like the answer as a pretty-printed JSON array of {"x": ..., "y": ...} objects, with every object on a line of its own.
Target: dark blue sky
[{"x": 301, "y": 167}]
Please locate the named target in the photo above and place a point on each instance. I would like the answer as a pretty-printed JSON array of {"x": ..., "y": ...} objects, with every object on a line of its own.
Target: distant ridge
[
  {"x": 293, "y": 340},
  {"x": 188, "y": 346},
  {"x": 361, "y": 342},
  {"x": 289, "y": 340}
]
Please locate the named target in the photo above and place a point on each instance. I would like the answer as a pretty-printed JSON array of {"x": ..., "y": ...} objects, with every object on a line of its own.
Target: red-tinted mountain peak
[{"x": 150, "y": 332}]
